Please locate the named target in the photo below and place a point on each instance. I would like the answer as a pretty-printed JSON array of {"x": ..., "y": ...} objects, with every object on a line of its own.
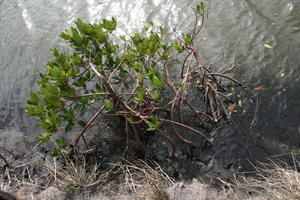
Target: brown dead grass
[
  {"x": 144, "y": 182},
  {"x": 139, "y": 180},
  {"x": 274, "y": 181},
  {"x": 22, "y": 181},
  {"x": 74, "y": 175}
]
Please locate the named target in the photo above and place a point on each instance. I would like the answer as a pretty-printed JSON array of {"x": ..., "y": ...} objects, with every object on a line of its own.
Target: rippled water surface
[{"x": 261, "y": 37}]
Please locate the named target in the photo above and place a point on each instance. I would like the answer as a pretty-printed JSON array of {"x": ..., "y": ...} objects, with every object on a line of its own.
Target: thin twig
[
  {"x": 80, "y": 134},
  {"x": 224, "y": 76},
  {"x": 169, "y": 140},
  {"x": 186, "y": 127}
]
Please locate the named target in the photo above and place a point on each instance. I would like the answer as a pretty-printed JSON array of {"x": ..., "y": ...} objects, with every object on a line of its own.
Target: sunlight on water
[
  {"x": 68, "y": 7},
  {"x": 290, "y": 6},
  {"x": 25, "y": 15}
]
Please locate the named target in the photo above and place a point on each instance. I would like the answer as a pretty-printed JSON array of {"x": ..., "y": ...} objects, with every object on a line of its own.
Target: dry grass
[
  {"x": 13, "y": 179},
  {"x": 68, "y": 176},
  {"x": 143, "y": 181},
  {"x": 74, "y": 175},
  {"x": 23, "y": 181},
  {"x": 138, "y": 180},
  {"x": 275, "y": 181}
]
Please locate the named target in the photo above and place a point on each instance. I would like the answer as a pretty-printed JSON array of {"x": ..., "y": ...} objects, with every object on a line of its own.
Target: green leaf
[
  {"x": 156, "y": 82},
  {"x": 155, "y": 94},
  {"x": 77, "y": 40},
  {"x": 83, "y": 27},
  {"x": 100, "y": 88},
  {"x": 151, "y": 129},
  {"x": 54, "y": 52},
  {"x": 70, "y": 73},
  {"x": 150, "y": 23},
  {"x": 69, "y": 126},
  {"x": 130, "y": 120},
  {"x": 139, "y": 96},
  {"x": 178, "y": 47},
  {"x": 57, "y": 152},
  {"x": 138, "y": 67},
  {"x": 153, "y": 123},
  {"x": 35, "y": 110},
  {"x": 62, "y": 142},
  {"x": 110, "y": 25},
  {"x": 69, "y": 115},
  {"x": 56, "y": 73},
  {"x": 100, "y": 35},
  {"x": 84, "y": 100},
  {"x": 162, "y": 30},
  {"x": 31, "y": 110},
  {"x": 34, "y": 99},
  {"x": 187, "y": 39},
  {"x": 165, "y": 56},
  {"x": 136, "y": 39},
  {"x": 149, "y": 123},
  {"x": 108, "y": 104},
  {"x": 65, "y": 36},
  {"x": 50, "y": 123},
  {"x": 80, "y": 82},
  {"x": 88, "y": 75},
  {"x": 50, "y": 90},
  {"x": 67, "y": 92},
  {"x": 44, "y": 138},
  {"x": 122, "y": 37},
  {"x": 200, "y": 8}
]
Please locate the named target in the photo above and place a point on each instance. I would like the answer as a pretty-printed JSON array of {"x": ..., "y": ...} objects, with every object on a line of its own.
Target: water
[{"x": 242, "y": 29}]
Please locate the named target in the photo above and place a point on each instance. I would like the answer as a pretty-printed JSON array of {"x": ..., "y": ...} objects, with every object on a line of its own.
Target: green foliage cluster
[
  {"x": 101, "y": 77},
  {"x": 64, "y": 96},
  {"x": 63, "y": 88}
]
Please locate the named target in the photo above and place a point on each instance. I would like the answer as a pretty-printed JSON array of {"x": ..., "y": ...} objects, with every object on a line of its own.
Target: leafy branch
[{"x": 129, "y": 82}]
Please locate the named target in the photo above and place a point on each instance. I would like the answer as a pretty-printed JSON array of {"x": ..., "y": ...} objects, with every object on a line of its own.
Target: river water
[{"x": 262, "y": 37}]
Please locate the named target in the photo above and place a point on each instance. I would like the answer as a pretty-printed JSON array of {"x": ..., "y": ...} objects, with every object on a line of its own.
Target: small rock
[
  {"x": 27, "y": 193},
  {"x": 52, "y": 193}
]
